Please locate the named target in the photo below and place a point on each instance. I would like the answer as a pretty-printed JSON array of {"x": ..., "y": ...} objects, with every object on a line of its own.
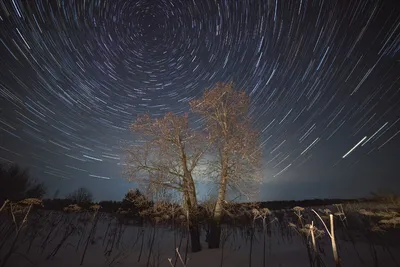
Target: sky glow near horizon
[{"x": 324, "y": 78}]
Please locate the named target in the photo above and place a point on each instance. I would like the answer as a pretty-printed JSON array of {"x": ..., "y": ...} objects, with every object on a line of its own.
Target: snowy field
[{"x": 65, "y": 240}]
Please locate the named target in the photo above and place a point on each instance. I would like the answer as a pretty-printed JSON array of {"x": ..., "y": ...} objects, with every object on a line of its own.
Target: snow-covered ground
[{"x": 133, "y": 248}]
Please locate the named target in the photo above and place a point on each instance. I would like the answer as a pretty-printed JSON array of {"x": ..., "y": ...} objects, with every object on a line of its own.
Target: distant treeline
[
  {"x": 109, "y": 206},
  {"x": 287, "y": 204},
  {"x": 16, "y": 184}
]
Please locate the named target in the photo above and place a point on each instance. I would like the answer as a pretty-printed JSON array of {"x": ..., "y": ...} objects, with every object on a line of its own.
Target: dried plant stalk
[{"x": 332, "y": 234}]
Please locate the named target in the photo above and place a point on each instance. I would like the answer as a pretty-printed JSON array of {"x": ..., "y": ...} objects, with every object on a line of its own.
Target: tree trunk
[
  {"x": 191, "y": 208},
  {"x": 194, "y": 230},
  {"x": 191, "y": 191},
  {"x": 214, "y": 234},
  {"x": 215, "y": 224},
  {"x": 193, "y": 227},
  {"x": 191, "y": 203}
]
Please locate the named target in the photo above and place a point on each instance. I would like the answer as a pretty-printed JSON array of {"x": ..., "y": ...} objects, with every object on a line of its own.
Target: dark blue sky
[{"x": 324, "y": 77}]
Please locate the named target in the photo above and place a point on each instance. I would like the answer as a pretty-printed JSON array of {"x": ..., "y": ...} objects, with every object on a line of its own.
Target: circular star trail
[{"x": 323, "y": 77}]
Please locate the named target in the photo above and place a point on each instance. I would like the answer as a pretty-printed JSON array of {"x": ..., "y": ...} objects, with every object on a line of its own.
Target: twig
[
  {"x": 4, "y": 205},
  {"x": 180, "y": 257}
]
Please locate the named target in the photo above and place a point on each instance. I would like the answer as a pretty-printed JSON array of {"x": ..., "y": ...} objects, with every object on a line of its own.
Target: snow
[{"x": 282, "y": 249}]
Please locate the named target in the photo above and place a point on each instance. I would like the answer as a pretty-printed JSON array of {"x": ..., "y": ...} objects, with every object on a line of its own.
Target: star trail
[{"x": 324, "y": 79}]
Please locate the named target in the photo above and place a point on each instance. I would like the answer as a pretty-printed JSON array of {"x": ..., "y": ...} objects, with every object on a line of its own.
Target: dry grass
[{"x": 327, "y": 223}]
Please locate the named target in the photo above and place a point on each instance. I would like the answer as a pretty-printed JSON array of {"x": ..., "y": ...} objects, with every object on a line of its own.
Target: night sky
[{"x": 324, "y": 77}]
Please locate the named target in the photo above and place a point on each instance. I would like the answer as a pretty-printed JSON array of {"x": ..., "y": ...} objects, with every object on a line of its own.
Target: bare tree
[
  {"x": 17, "y": 184},
  {"x": 236, "y": 142},
  {"x": 81, "y": 195},
  {"x": 165, "y": 159}
]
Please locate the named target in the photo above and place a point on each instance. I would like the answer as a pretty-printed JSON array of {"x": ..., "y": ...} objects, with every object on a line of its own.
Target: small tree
[
  {"x": 237, "y": 151},
  {"x": 16, "y": 184},
  {"x": 81, "y": 196},
  {"x": 135, "y": 201},
  {"x": 135, "y": 196},
  {"x": 165, "y": 158}
]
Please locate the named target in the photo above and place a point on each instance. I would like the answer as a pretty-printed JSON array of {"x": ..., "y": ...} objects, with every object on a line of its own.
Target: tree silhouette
[
  {"x": 16, "y": 184},
  {"x": 237, "y": 151},
  {"x": 81, "y": 196}
]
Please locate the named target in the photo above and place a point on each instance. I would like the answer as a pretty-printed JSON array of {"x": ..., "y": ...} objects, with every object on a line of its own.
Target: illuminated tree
[
  {"x": 237, "y": 161},
  {"x": 165, "y": 157}
]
